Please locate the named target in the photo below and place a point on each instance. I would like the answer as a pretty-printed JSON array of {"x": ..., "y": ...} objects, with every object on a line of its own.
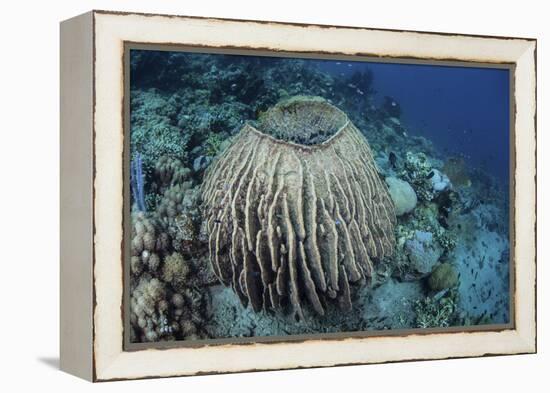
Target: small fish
[{"x": 393, "y": 159}]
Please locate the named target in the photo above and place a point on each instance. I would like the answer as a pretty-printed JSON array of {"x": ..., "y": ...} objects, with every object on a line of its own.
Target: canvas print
[{"x": 286, "y": 196}]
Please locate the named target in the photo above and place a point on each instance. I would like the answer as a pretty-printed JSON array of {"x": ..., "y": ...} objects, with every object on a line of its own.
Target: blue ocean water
[{"x": 463, "y": 110}]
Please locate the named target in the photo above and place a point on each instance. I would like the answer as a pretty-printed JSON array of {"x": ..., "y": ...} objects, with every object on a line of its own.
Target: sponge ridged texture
[{"x": 290, "y": 223}]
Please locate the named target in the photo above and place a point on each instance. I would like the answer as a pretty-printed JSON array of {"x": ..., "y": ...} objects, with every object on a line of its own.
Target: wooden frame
[{"x": 92, "y": 140}]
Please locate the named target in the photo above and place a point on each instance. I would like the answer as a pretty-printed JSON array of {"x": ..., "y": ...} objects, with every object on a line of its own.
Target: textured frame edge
[
  {"x": 110, "y": 362},
  {"x": 76, "y": 193}
]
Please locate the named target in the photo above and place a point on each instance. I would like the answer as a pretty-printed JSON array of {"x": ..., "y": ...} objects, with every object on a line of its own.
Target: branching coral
[
  {"x": 170, "y": 171},
  {"x": 213, "y": 143},
  {"x": 175, "y": 271},
  {"x": 148, "y": 306},
  {"x": 163, "y": 306},
  {"x": 178, "y": 212},
  {"x": 436, "y": 311},
  {"x": 146, "y": 244},
  {"x": 154, "y": 129},
  {"x": 171, "y": 203},
  {"x": 292, "y": 222},
  {"x": 160, "y": 313}
]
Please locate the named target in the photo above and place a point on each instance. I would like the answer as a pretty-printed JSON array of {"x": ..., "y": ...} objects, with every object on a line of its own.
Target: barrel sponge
[{"x": 291, "y": 221}]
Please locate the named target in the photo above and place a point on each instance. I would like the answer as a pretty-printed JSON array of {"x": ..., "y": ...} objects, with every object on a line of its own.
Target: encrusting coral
[{"x": 295, "y": 209}]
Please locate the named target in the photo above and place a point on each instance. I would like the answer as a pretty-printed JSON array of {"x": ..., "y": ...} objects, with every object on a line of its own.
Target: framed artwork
[{"x": 246, "y": 195}]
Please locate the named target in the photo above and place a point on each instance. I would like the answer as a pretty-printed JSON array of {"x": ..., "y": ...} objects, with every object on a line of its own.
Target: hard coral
[
  {"x": 145, "y": 244},
  {"x": 154, "y": 129},
  {"x": 444, "y": 276},
  {"x": 148, "y": 307},
  {"x": 418, "y": 172},
  {"x": 423, "y": 252},
  {"x": 175, "y": 271},
  {"x": 171, "y": 171},
  {"x": 296, "y": 210},
  {"x": 402, "y": 195},
  {"x": 437, "y": 311}
]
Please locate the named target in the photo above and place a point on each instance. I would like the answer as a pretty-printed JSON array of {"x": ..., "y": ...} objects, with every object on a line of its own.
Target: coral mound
[
  {"x": 402, "y": 195},
  {"x": 295, "y": 209}
]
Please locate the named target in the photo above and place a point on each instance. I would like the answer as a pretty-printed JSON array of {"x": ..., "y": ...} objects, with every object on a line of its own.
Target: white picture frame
[{"x": 92, "y": 198}]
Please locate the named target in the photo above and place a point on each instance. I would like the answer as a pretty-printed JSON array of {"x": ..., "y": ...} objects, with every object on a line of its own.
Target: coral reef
[
  {"x": 418, "y": 172},
  {"x": 440, "y": 181},
  {"x": 154, "y": 128},
  {"x": 443, "y": 276},
  {"x": 159, "y": 313},
  {"x": 175, "y": 271},
  {"x": 149, "y": 306},
  {"x": 164, "y": 303},
  {"x": 436, "y": 311},
  {"x": 318, "y": 216},
  {"x": 423, "y": 252},
  {"x": 402, "y": 195},
  {"x": 391, "y": 305},
  {"x": 146, "y": 244},
  {"x": 298, "y": 181},
  {"x": 170, "y": 171}
]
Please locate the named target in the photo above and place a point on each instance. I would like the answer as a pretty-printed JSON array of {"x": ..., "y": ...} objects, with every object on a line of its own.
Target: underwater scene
[{"x": 278, "y": 196}]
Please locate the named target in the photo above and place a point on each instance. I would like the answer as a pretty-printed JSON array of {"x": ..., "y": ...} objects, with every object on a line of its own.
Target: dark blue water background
[{"x": 463, "y": 110}]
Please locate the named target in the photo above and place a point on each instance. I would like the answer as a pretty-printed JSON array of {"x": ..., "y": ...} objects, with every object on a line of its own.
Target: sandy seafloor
[{"x": 184, "y": 111}]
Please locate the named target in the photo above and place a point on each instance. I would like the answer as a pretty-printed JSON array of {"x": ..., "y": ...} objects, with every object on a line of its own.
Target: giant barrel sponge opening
[{"x": 295, "y": 209}]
